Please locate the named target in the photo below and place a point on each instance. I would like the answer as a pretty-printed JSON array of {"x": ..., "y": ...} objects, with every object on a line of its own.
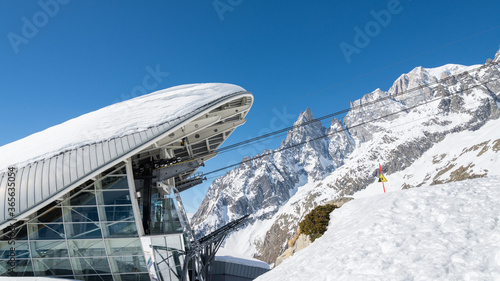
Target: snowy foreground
[{"x": 442, "y": 232}]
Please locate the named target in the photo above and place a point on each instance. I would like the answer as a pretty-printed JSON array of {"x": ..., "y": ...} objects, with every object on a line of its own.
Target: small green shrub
[{"x": 315, "y": 223}]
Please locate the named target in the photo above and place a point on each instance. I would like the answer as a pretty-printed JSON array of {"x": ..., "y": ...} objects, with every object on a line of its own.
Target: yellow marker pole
[{"x": 381, "y": 179}]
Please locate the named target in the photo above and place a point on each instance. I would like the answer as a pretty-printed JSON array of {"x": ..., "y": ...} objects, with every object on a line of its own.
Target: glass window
[
  {"x": 54, "y": 215},
  {"x": 123, "y": 246},
  {"x": 117, "y": 213},
  {"x": 83, "y": 230},
  {"x": 174, "y": 242},
  {"x": 81, "y": 214},
  {"x": 130, "y": 263},
  {"x": 84, "y": 198},
  {"x": 49, "y": 249},
  {"x": 20, "y": 249},
  {"x": 120, "y": 229},
  {"x": 134, "y": 277},
  {"x": 84, "y": 266},
  {"x": 52, "y": 267},
  {"x": 114, "y": 182},
  {"x": 47, "y": 231},
  {"x": 95, "y": 277},
  {"x": 114, "y": 197},
  {"x": 21, "y": 267},
  {"x": 18, "y": 233},
  {"x": 86, "y": 248}
]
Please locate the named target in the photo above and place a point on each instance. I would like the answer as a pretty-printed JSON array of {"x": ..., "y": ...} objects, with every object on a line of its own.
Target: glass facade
[{"x": 89, "y": 235}]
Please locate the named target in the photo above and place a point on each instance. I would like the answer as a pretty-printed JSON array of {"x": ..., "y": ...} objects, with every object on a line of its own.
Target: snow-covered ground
[{"x": 442, "y": 232}]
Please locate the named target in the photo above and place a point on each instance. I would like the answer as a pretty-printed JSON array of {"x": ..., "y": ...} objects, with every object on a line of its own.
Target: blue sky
[{"x": 63, "y": 58}]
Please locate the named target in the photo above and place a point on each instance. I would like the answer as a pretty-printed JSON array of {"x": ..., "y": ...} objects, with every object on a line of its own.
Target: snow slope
[
  {"x": 119, "y": 119},
  {"x": 444, "y": 232}
]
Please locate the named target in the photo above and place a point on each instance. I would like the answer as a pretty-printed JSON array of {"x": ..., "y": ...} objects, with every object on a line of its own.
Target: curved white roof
[{"x": 62, "y": 157}]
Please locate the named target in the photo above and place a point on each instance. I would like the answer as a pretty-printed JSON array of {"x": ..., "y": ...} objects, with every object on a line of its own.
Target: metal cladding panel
[
  {"x": 130, "y": 141},
  {"x": 139, "y": 138},
  {"x": 80, "y": 168},
  {"x": 38, "y": 182},
  {"x": 31, "y": 181},
  {"x": 23, "y": 187},
  {"x": 71, "y": 165},
  {"x": 119, "y": 146},
  {"x": 100, "y": 158},
  {"x": 52, "y": 184},
  {"x": 112, "y": 150},
  {"x": 149, "y": 134},
  {"x": 45, "y": 187},
  {"x": 63, "y": 170},
  {"x": 41, "y": 180},
  {"x": 86, "y": 160}
]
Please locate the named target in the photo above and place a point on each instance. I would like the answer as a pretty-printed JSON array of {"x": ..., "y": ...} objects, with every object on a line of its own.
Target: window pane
[
  {"x": 85, "y": 266},
  {"x": 21, "y": 249},
  {"x": 84, "y": 198},
  {"x": 49, "y": 249},
  {"x": 115, "y": 197},
  {"x": 134, "y": 277},
  {"x": 54, "y": 215},
  {"x": 20, "y": 268},
  {"x": 81, "y": 214},
  {"x": 87, "y": 248},
  {"x": 174, "y": 242},
  {"x": 114, "y": 183},
  {"x": 95, "y": 277},
  {"x": 47, "y": 231},
  {"x": 121, "y": 229},
  {"x": 125, "y": 247},
  {"x": 130, "y": 263},
  {"x": 83, "y": 230},
  {"x": 18, "y": 233},
  {"x": 52, "y": 267},
  {"x": 117, "y": 213}
]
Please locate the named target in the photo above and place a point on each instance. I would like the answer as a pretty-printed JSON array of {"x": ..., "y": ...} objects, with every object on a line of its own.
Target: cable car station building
[{"x": 97, "y": 197}]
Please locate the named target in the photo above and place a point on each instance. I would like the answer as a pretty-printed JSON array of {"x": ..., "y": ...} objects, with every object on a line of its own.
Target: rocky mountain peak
[
  {"x": 497, "y": 56},
  {"x": 304, "y": 117}
]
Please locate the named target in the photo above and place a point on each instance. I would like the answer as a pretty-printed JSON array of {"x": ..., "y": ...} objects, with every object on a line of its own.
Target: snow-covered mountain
[{"x": 395, "y": 128}]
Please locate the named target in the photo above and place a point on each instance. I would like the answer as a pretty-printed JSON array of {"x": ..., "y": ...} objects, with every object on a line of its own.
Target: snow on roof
[
  {"x": 119, "y": 119},
  {"x": 243, "y": 261}
]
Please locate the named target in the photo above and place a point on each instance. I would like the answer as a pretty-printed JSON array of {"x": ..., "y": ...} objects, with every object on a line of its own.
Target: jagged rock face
[
  {"x": 285, "y": 186},
  {"x": 497, "y": 57},
  {"x": 259, "y": 187}
]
